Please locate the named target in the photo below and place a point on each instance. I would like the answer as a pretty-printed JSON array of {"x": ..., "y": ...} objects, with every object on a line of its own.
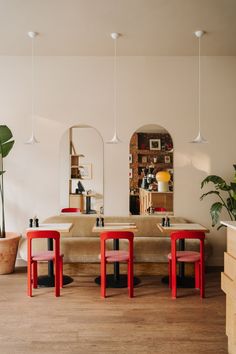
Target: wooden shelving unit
[
  {"x": 142, "y": 156},
  {"x": 75, "y": 200}
]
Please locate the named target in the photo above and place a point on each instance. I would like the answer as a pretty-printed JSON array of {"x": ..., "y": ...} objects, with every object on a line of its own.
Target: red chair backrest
[
  {"x": 55, "y": 235},
  {"x": 178, "y": 235},
  {"x": 160, "y": 209},
  {"x": 70, "y": 210},
  {"x": 125, "y": 235}
]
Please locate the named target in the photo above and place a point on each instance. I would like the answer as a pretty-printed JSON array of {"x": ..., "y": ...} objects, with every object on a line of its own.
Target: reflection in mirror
[
  {"x": 85, "y": 179},
  {"x": 151, "y": 174}
]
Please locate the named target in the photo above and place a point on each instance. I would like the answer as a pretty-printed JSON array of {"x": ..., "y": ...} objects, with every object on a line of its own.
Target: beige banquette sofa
[{"x": 81, "y": 245}]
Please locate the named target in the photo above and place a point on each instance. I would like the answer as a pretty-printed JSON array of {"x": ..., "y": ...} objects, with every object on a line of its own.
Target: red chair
[
  {"x": 187, "y": 257},
  {"x": 70, "y": 210},
  {"x": 160, "y": 209},
  {"x": 54, "y": 256},
  {"x": 117, "y": 256}
]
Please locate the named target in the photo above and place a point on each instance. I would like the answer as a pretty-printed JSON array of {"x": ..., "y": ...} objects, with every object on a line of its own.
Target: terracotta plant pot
[{"x": 8, "y": 251}]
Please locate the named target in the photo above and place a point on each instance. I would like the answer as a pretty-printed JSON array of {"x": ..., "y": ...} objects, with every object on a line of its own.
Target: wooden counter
[
  {"x": 155, "y": 199},
  {"x": 228, "y": 284}
]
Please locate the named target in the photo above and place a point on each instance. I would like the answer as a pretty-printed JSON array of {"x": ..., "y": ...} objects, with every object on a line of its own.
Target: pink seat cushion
[
  {"x": 116, "y": 256},
  {"x": 186, "y": 256},
  {"x": 44, "y": 256}
]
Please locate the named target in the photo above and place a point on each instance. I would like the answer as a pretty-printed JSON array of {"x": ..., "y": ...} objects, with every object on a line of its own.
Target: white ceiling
[{"x": 149, "y": 27}]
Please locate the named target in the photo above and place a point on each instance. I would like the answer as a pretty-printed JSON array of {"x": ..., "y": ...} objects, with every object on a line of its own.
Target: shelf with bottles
[
  {"x": 154, "y": 152},
  {"x": 157, "y": 165}
]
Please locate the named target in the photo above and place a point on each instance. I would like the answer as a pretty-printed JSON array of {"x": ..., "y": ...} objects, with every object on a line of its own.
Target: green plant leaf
[
  {"x": 5, "y": 134},
  {"x": 230, "y": 203},
  {"x": 217, "y": 181},
  {"x": 233, "y": 188},
  {"x": 6, "y": 148},
  {"x": 1, "y": 172},
  {"x": 215, "y": 212},
  {"x": 210, "y": 192}
]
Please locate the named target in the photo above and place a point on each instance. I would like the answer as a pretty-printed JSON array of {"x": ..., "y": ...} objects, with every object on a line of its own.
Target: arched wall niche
[
  {"x": 82, "y": 161},
  {"x": 151, "y": 151}
]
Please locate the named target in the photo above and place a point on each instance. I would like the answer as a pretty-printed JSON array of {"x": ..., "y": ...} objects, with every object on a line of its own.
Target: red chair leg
[
  {"x": 170, "y": 271},
  {"x": 128, "y": 270},
  {"x": 29, "y": 269},
  {"x": 57, "y": 277},
  {"x": 61, "y": 272},
  {"x": 131, "y": 278},
  {"x": 197, "y": 275},
  {"x": 202, "y": 279},
  {"x": 103, "y": 278},
  {"x": 35, "y": 274},
  {"x": 173, "y": 279}
]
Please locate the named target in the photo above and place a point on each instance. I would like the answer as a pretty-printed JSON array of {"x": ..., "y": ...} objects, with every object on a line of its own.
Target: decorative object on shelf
[
  {"x": 163, "y": 178},
  {"x": 154, "y": 159},
  {"x": 228, "y": 203},
  {"x": 199, "y": 138},
  {"x": 167, "y": 159},
  {"x": 32, "y": 140},
  {"x": 130, "y": 158},
  {"x": 150, "y": 175},
  {"x": 144, "y": 183},
  {"x": 80, "y": 188},
  {"x": 144, "y": 159},
  {"x": 130, "y": 173},
  {"x": 115, "y": 139},
  {"x": 155, "y": 144},
  {"x": 86, "y": 171}
]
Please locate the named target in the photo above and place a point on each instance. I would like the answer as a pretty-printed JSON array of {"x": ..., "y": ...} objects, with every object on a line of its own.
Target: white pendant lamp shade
[
  {"x": 199, "y": 138},
  {"x": 32, "y": 140},
  {"x": 115, "y": 139}
]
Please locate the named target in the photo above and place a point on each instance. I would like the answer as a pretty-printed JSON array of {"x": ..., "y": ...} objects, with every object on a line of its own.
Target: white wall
[{"x": 73, "y": 90}]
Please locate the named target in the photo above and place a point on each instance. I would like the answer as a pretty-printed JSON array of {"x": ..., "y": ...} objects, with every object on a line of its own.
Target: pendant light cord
[
  {"x": 32, "y": 84},
  {"x": 199, "y": 84},
  {"x": 115, "y": 88}
]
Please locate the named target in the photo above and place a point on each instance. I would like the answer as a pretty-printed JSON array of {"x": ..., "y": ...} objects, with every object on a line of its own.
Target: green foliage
[
  {"x": 227, "y": 198},
  {"x": 6, "y": 144}
]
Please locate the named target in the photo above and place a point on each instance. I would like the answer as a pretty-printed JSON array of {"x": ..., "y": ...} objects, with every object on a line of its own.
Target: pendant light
[
  {"x": 115, "y": 139},
  {"x": 32, "y": 140},
  {"x": 199, "y": 138}
]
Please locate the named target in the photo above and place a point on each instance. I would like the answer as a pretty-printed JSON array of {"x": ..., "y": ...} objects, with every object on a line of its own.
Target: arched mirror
[
  {"x": 82, "y": 181},
  {"x": 151, "y": 174}
]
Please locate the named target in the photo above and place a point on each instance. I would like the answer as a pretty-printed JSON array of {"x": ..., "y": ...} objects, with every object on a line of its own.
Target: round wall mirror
[{"x": 151, "y": 174}]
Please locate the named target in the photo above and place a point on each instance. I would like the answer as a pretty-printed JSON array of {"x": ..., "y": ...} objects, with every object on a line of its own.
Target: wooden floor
[{"x": 81, "y": 322}]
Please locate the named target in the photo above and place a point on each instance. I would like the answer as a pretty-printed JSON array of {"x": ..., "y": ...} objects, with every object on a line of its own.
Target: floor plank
[{"x": 81, "y": 322}]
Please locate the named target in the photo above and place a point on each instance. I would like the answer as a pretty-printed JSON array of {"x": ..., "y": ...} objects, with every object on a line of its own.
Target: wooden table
[
  {"x": 182, "y": 280},
  {"x": 116, "y": 280},
  {"x": 48, "y": 280}
]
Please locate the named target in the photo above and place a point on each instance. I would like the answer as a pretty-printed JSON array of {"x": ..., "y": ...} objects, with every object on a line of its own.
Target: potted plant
[
  {"x": 226, "y": 194},
  {"x": 8, "y": 240}
]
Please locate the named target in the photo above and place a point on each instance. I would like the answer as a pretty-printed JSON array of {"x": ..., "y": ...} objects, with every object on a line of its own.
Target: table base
[
  {"x": 45, "y": 281},
  {"x": 121, "y": 282},
  {"x": 182, "y": 282}
]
